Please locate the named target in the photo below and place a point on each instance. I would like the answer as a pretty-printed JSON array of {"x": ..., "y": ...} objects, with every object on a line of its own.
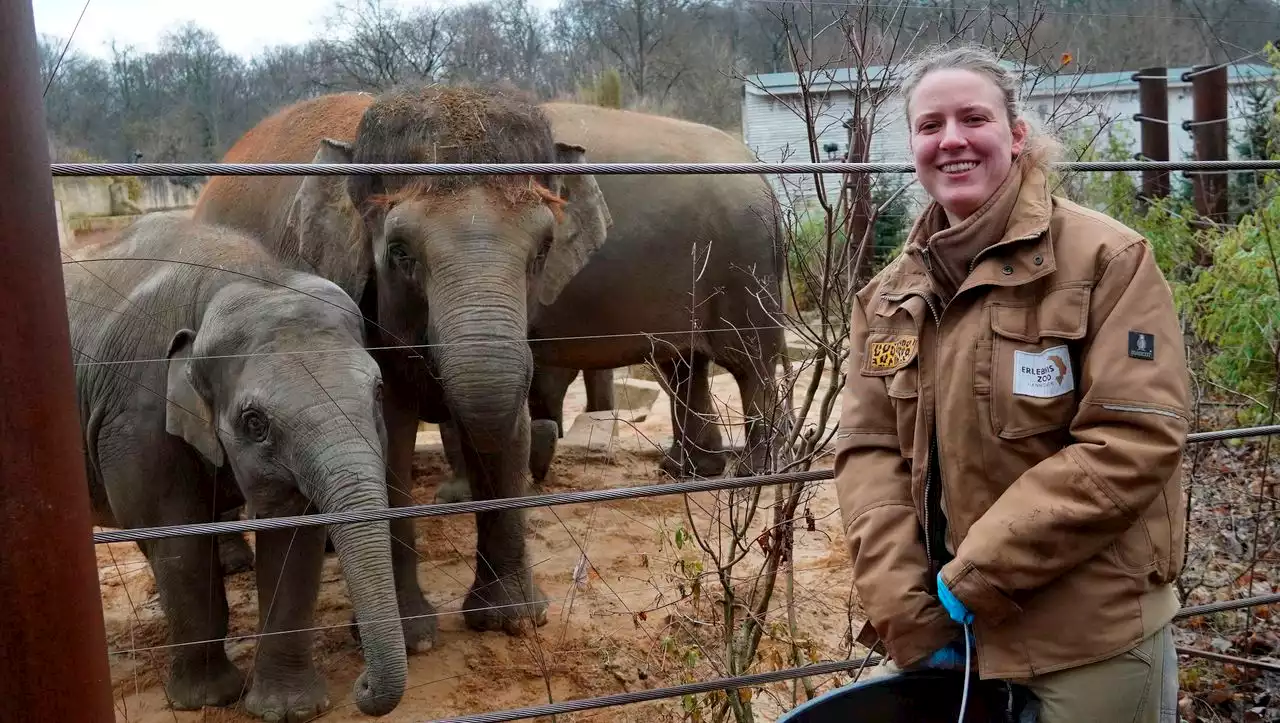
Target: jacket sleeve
[
  {"x": 873, "y": 484},
  {"x": 1127, "y": 434}
]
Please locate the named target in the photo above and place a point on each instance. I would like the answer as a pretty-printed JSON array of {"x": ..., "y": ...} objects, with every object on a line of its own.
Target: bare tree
[{"x": 378, "y": 47}]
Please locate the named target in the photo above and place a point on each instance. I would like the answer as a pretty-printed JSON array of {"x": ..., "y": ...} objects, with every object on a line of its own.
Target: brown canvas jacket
[{"x": 1057, "y": 380}]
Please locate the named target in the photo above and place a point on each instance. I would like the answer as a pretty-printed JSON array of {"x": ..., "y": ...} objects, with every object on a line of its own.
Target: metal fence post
[
  {"x": 1153, "y": 115},
  {"x": 53, "y": 665},
  {"x": 1208, "y": 127}
]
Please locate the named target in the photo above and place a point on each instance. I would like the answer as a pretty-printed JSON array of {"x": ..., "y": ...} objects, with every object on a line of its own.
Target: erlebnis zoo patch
[{"x": 1042, "y": 374}]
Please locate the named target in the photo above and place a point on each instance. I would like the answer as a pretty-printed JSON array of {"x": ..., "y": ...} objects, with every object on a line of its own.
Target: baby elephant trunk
[{"x": 364, "y": 549}]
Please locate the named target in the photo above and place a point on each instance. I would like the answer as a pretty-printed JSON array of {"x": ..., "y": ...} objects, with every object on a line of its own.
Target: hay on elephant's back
[{"x": 455, "y": 124}]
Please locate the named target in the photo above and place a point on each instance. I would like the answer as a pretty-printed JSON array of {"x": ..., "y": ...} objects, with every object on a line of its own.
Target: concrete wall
[
  {"x": 88, "y": 210},
  {"x": 83, "y": 197}
]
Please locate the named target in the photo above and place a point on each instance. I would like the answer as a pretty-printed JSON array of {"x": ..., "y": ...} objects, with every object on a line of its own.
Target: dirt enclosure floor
[{"x": 624, "y": 579}]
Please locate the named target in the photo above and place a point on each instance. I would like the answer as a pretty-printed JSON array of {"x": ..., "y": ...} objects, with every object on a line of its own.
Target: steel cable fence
[
  {"x": 532, "y": 501},
  {"x": 523, "y": 169}
]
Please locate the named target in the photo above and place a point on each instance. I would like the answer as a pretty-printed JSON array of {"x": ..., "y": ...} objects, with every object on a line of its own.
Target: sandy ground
[{"x": 633, "y": 621}]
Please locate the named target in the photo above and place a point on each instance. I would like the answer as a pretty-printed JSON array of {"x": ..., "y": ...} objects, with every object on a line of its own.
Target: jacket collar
[{"x": 1023, "y": 253}]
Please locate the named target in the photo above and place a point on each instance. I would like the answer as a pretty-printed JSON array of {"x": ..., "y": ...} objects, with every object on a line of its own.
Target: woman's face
[{"x": 961, "y": 139}]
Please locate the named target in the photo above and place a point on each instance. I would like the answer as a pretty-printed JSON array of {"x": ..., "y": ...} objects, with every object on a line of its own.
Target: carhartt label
[
  {"x": 1042, "y": 374},
  {"x": 1142, "y": 345}
]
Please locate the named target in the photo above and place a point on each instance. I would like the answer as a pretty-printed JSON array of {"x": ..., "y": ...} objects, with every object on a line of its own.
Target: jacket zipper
[
  {"x": 933, "y": 452},
  {"x": 926, "y": 257},
  {"x": 933, "y": 433}
]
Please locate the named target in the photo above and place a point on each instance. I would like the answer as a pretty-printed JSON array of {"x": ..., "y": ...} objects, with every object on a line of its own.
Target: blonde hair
[{"x": 1041, "y": 148}]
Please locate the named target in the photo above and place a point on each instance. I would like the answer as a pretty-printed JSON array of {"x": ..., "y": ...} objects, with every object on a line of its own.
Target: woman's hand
[{"x": 955, "y": 608}]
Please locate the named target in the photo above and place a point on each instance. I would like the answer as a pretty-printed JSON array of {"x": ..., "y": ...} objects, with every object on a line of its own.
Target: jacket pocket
[
  {"x": 1133, "y": 551},
  {"x": 1033, "y": 362},
  {"x": 904, "y": 391}
]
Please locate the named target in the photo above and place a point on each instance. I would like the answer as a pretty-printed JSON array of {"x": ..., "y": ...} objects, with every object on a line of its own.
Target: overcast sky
[{"x": 243, "y": 26}]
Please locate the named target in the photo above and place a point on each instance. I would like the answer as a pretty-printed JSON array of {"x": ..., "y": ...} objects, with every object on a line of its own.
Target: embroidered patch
[
  {"x": 1042, "y": 374},
  {"x": 1142, "y": 345},
  {"x": 884, "y": 355}
]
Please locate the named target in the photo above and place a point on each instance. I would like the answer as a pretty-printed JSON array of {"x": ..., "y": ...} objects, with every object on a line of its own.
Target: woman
[{"x": 1013, "y": 422}]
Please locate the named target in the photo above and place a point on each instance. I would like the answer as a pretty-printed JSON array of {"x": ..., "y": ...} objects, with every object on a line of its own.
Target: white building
[{"x": 773, "y": 124}]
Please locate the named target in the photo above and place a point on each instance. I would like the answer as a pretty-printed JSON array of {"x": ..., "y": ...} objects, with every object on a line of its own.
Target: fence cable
[
  {"x": 604, "y": 169},
  {"x": 528, "y": 501}
]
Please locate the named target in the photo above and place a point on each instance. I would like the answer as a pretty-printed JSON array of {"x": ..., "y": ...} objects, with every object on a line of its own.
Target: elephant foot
[
  {"x": 457, "y": 489},
  {"x": 300, "y": 699},
  {"x": 509, "y": 605},
  {"x": 235, "y": 554},
  {"x": 680, "y": 462},
  {"x": 418, "y": 619},
  {"x": 543, "y": 436},
  {"x": 196, "y": 682}
]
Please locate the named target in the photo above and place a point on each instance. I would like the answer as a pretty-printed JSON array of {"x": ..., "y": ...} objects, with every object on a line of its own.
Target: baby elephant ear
[
  {"x": 580, "y": 231},
  {"x": 187, "y": 413}
]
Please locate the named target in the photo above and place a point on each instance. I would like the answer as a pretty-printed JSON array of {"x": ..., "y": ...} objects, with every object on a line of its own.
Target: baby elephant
[{"x": 209, "y": 377}]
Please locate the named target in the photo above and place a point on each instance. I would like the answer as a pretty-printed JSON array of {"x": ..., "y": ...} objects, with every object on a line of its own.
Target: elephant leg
[
  {"x": 188, "y": 573},
  {"x": 402, "y": 431},
  {"x": 767, "y": 420},
  {"x": 286, "y": 684},
  {"x": 546, "y": 394},
  {"x": 546, "y": 412},
  {"x": 458, "y": 487},
  {"x": 233, "y": 548},
  {"x": 696, "y": 442},
  {"x": 599, "y": 384},
  {"x": 503, "y": 595}
]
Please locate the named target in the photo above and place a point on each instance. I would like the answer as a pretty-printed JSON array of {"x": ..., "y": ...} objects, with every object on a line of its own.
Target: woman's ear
[{"x": 1020, "y": 132}]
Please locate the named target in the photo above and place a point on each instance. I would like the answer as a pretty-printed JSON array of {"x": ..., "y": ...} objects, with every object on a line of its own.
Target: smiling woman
[{"x": 1013, "y": 423}]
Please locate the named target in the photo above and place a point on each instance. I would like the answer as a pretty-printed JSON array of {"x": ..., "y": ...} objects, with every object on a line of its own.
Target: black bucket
[{"x": 919, "y": 696}]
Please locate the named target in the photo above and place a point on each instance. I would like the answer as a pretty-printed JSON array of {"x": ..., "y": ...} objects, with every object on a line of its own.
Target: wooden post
[
  {"x": 1153, "y": 115},
  {"x": 1208, "y": 127},
  {"x": 54, "y": 662}
]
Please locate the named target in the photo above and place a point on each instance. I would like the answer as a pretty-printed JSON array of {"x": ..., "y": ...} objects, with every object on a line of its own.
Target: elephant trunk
[
  {"x": 478, "y": 318},
  {"x": 364, "y": 550}
]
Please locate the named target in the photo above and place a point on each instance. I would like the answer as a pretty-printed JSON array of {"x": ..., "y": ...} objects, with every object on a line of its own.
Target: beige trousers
[{"x": 1136, "y": 686}]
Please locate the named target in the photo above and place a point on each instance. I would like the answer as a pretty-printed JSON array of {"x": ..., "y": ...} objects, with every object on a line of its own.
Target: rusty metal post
[
  {"x": 53, "y": 650},
  {"x": 1208, "y": 127},
  {"x": 1153, "y": 115},
  {"x": 860, "y": 206}
]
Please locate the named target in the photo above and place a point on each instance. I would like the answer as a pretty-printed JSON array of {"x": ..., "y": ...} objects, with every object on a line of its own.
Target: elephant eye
[
  {"x": 544, "y": 248},
  {"x": 400, "y": 258},
  {"x": 254, "y": 424}
]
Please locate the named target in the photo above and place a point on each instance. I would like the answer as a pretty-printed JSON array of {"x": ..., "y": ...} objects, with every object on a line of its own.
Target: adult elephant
[
  {"x": 459, "y": 264},
  {"x": 691, "y": 275}
]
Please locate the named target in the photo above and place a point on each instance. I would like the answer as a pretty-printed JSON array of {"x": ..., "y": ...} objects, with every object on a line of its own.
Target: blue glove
[
  {"x": 955, "y": 608},
  {"x": 950, "y": 657}
]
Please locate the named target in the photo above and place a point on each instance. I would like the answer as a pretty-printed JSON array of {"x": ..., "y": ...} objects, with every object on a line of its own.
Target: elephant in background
[
  {"x": 194, "y": 400},
  {"x": 449, "y": 271},
  {"x": 691, "y": 274}
]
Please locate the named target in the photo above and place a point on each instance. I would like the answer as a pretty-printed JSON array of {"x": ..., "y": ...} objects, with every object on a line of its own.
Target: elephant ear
[
  {"x": 187, "y": 412},
  {"x": 582, "y": 227},
  {"x": 322, "y": 227}
]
